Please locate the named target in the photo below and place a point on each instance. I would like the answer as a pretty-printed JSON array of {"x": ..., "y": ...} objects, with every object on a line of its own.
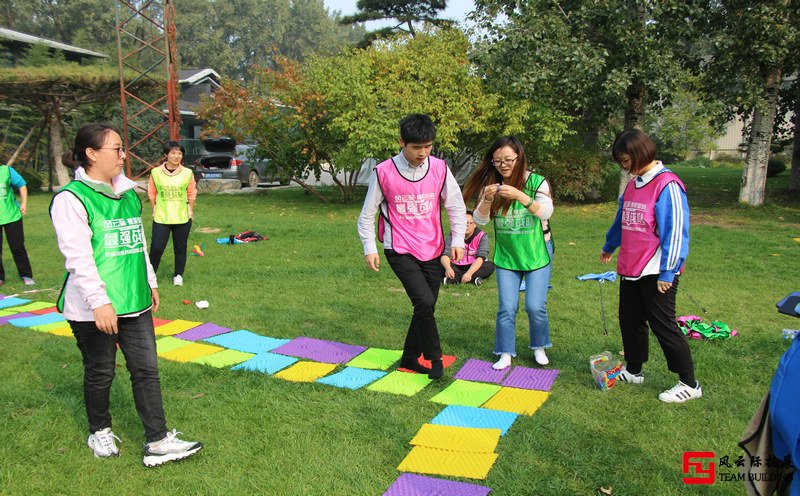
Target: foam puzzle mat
[
  {"x": 529, "y": 378},
  {"x": 52, "y": 326},
  {"x": 43, "y": 311},
  {"x": 246, "y": 341},
  {"x": 376, "y": 358},
  {"x": 320, "y": 350},
  {"x": 466, "y": 393},
  {"x": 170, "y": 343},
  {"x": 425, "y": 460},
  {"x": 522, "y": 401},
  {"x": 202, "y": 331},
  {"x": 34, "y": 306},
  {"x": 447, "y": 437},
  {"x": 352, "y": 378},
  {"x": 480, "y": 371},
  {"x": 306, "y": 371},
  {"x": 422, "y": 485},
  {"x": 19, "y": 315},
  {"x": 37, "y": 320},
  {"x": 175, "y": 327},
  {"x": 189, "y": 352},
  {"x": 13, "y": 302},
  {"x": 266, "y": 363},
  {"x": 224, "y": 358},
  {"x": 468, "y": 416},
  {"x": 398, "y": 382}
]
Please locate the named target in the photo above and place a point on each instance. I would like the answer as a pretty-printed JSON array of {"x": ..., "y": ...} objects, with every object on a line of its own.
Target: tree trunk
[
  {"x": 634, "y": 119},
  {"x": 754, "y": 178},
  {"x": 22, "y": 145},
  {"x": 794, "y": 180},
  {"x": 56, "y": 147}
]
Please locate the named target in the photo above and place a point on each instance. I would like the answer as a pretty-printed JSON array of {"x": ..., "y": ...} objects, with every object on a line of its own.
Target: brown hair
[
  {"x": 89, "y": 136},
  {"x": 637, "y": 145},
  {"x": 487, "y": 174}
]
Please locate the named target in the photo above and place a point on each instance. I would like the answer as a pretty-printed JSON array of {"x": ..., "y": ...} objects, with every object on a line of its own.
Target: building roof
[
  {"x": 9, "y": 34},
  {"x": 197, "y": 76}
]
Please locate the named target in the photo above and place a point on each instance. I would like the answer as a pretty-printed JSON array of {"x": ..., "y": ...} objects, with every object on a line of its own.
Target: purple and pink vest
[
  {"x": 640, "y": 239},
  {"x": 471, "y": 249},
  {"x": 413, "y": 209}
]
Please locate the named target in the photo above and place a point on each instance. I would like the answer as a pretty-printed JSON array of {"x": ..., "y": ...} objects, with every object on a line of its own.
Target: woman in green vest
[
  {"x": 11, "y": 214},
  {"x": 109, "y": 292},
  {"x": 172, "y": 192},
  {"x": 520, "y": 204}
]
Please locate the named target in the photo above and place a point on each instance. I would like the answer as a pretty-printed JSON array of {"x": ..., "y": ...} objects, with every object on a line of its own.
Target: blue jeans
[
  {"x": 137, "y": 341},
  {"x": 536, "y": 282}
]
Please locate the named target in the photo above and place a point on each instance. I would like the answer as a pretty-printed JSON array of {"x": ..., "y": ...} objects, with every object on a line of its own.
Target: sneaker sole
[
  {"x": 678, "y": 400},
  {"x": 156, "y": 460}
]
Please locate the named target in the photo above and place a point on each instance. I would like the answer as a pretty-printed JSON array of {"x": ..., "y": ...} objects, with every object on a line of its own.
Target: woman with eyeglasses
[
  {"x": 520, "y": 204},
  {"x": 172, "y": 191},
  {"x": 109, "y": 291}
]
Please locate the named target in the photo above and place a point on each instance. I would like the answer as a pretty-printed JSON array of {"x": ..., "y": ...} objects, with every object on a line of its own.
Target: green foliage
[
  {"x": 699, "y": 161},
  {"x": 576, "y": 173},
  {"x": 41, "y": 55},
  {"x": 775, "y": 166},
  {"x": 405, "y": 13},
  {"x": 33, "y": 179}
]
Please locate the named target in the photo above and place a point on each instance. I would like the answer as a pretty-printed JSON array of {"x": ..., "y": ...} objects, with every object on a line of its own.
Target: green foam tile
[
  {"x": 376, "y": 359},
  {"x": 224, "y": 358},
  {"x": 400, "y": 383},
  {"x": 169, "y": 343},
  {"x": 466, "y": 393}
]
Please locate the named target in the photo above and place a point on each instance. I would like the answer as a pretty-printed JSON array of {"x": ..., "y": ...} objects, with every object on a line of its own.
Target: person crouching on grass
[
  {"x": 651, "y": 230},
  {"x": 408, "y": 191},
  {"x": 109, "y": 292}
]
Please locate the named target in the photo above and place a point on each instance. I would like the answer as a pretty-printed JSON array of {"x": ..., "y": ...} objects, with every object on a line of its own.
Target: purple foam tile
[
  {"x": 202, "y": 331},
  {"x": 478, "y": 370},
  {"x": 4, "y": 320},
  {"x": 320, "y": 350},
  {"x": 422, "y": 485},
  {"x": 528, "y": 378}
]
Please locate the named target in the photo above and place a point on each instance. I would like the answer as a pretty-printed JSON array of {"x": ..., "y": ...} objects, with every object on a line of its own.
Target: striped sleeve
[{"x": 672, "y": 217}]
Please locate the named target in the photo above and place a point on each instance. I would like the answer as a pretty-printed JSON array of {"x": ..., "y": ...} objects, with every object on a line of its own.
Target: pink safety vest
[
  {"x": 413, "y": 209},
  {"x": 471, "y": 249},
  {"x": 640, "y": 240}
]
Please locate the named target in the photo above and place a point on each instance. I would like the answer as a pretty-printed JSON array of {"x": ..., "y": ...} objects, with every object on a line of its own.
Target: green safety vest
[
  {"x": 519, "y": 239},
  {"x": 171, "y": 202},
  {"x": 117, "y": 245},
  {"x": 9, "y": 209}
]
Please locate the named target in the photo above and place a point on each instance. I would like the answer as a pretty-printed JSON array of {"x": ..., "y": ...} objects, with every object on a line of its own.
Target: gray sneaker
[
  {"x": 478, "y": 281},
  {"x": 169, "y": 449},
  {"x": 102, "y": 443}
]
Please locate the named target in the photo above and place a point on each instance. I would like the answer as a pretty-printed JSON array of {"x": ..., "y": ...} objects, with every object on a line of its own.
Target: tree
[
  {"x": 753, "y": 43},
  {"x": 404, "y": 12}
]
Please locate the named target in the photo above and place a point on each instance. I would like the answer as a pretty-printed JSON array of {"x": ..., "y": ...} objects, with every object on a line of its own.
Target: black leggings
[
  {"x": 16, "y": 241},
  {"x": 180, "y": 238}
]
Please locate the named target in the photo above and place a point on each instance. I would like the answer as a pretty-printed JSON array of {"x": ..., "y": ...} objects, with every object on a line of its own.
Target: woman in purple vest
[{"x": 651, "y": 230}]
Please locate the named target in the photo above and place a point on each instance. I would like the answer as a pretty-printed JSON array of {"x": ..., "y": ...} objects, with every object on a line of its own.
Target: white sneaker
[
  {"x": 626, "y": 376},
  {"x": 169, "y": 449},
  {"x": 681, "y": 393},
  {"x": 540, "y": 356},
  {"x": 503, "y": 363},
  {"x": 102, "y": 443},
  {"x": 177, "y": 280}
]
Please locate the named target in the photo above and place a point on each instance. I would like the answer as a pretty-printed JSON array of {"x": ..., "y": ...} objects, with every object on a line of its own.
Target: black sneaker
[{"x": 477, "y": 281}]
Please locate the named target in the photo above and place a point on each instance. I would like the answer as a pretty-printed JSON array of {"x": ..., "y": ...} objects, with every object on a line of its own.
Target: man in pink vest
[{"x": 408, "y": 190}]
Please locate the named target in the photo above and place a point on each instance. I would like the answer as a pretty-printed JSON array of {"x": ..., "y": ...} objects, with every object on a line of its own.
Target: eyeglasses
[
  {"x": 506, "y": 161},
  {"x": 120, "y": 149}
]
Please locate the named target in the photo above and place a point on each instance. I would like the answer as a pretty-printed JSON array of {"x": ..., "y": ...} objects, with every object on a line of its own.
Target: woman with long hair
[{"x": 519, "y": 203}]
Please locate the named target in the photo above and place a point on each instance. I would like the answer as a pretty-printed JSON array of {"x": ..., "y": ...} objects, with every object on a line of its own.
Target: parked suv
[{"x": 222, "y": 158}]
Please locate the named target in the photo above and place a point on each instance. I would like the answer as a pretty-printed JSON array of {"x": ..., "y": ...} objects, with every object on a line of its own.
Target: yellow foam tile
[
  {"x": 447, "y": 437},
  {"x": 306, "y": 371},
  {"x": 424, "y": 460},
  {"x": 522, "y": 401},
  {"x": 53, "y": 325},
  {"x": 175, "y": 327},
  {"x": 34, "y": 305},
  {"x": 61, "y": 331},
  {"x": 190, "y": 352}
]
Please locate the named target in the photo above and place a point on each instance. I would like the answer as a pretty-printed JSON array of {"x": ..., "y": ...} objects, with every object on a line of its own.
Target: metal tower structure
[{"x": 147, "y": 53}]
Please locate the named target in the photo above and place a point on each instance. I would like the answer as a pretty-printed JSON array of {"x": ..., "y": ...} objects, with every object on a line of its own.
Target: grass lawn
[{"x": 267, "y": 436}]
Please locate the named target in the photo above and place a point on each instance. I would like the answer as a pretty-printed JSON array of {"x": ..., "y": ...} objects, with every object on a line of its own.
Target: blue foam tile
[
  {"x": 47, "y": 318},
  {"x": 267, "y": 363},
  {"x": 12, "y": 302},
  {"x": 470, "y": 416},
  {"x": 352, "y": 378},
  {"x": 246, "y": 341}
]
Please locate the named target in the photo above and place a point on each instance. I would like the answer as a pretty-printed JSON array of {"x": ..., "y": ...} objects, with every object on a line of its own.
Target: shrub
[
  {"x": 575, "y": 173},
  {"x": 775, "y": 166},
  {"x": 699, "y": 161},
  {"x": 33, "y": 179}
]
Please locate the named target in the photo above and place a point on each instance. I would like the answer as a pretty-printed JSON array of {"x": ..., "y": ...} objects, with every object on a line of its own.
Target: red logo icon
[{"x": 694, "y": 468}]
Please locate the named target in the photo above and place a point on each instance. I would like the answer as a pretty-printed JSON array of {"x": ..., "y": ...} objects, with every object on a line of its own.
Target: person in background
[
  {"x": 109, "y": 292},
  {"x": 172, "y": 191},
  {"x": 11, "y": 213},
  {"x": 408, "y": 190},
  {"x": 651, "y": 230},
  {"x": 520, "y": 204},
  {"x": 475, "y": 266}
]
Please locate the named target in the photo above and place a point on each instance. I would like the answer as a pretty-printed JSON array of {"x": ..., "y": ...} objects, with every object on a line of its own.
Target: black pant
[
  {"x": 158, "y": 242},
  {"x": 483, "y": 271},
  {"x": 421, "y": 281},
  {"x": 641, "y": 303},
  {"x": 16, "y": 241},
  {"x": 137, "y": 341}
]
